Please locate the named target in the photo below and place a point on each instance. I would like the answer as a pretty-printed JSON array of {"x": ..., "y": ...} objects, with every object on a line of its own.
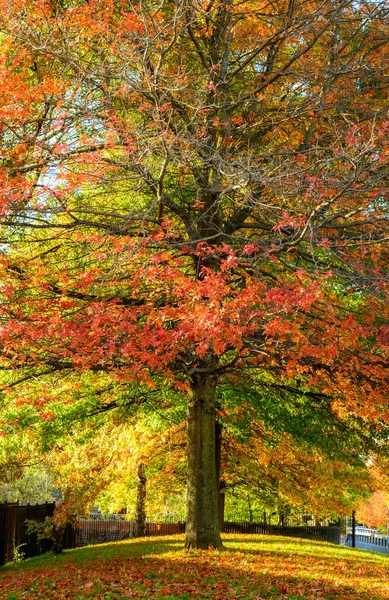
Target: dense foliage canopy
[{"x": 193, "y": 192}]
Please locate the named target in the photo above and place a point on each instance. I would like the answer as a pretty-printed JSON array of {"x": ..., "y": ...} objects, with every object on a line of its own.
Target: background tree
[
  {"x": 34, "y": 486},
  {"x": 373, "y": 512},
  {"x": 194, "y": 189}
]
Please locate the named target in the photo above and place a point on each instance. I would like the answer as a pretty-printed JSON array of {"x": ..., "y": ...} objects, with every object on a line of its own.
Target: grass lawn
[{"x": 251, "y": 567}]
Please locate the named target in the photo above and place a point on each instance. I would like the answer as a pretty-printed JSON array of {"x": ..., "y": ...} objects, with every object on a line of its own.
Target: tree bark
[
  {"x": 222, "y": 504},
  {"x": 140, "y": 514},
  {"x": 219, "y": 480},
  {"x": 202, "y": 521}
]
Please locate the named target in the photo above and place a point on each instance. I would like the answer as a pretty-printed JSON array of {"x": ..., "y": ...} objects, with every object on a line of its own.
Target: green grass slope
[{"x": 252, "y": 567}]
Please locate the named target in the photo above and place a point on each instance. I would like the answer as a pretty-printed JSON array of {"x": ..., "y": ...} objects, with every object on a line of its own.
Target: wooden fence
[
  {"x": 319, "y": 534},
  {"x": 164, "y": 528},
  {"x": 97, "y": 531},
  {"x": 13, "y": 530}
]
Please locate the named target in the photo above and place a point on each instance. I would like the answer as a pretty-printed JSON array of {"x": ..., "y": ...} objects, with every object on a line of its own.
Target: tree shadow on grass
[{"x": 101, "y": 552}]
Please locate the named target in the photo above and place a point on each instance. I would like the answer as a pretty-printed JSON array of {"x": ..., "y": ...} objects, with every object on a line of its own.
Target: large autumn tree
[{"x": 190, "y": 190}]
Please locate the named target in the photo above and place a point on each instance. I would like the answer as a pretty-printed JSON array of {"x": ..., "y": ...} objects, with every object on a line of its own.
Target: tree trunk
[
  {"x": 219, "y": 480},
  {"x": 140, "y": 514},
  {"x": 58, "y": 539},
  {"x": 222, "y": 504},
  {"x": 251, "y": 517},
  {"x": 202, "y": 517}
]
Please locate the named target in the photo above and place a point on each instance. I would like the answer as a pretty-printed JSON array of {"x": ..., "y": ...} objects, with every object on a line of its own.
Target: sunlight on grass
[{"x": 250, "y": 568}]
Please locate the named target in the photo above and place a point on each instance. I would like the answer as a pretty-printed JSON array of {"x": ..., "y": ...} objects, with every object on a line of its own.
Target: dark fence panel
[
  {"x": 13, "y": 530},
  {"x": 30, "y": 546},
  {"x": 11, "y": 539},
  {"x": 3, "y": 517},
  {"x": 244, "y": 527},
  {"x": 319, "y": 534}
]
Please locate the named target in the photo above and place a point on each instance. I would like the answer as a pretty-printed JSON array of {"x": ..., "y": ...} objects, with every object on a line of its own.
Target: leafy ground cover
[{"x": 251, "y": 567}]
